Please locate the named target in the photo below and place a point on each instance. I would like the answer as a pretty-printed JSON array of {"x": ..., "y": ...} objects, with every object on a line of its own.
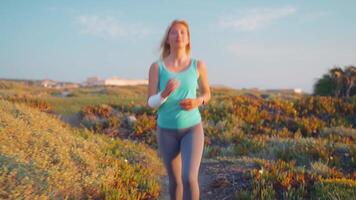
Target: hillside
[{"x": 41, "y": 157}]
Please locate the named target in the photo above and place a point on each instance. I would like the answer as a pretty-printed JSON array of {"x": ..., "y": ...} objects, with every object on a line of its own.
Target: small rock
[{"x": 131, "y": 120}]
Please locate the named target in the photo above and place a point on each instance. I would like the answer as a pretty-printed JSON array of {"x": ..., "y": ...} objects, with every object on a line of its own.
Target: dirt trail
[{"x": 217, "y": 179}]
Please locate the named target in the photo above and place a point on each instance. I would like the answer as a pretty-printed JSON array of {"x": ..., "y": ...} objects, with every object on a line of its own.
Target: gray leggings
[{"x": 181, "y": 150}]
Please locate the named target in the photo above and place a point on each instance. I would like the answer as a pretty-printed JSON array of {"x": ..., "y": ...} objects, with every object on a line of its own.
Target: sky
[{"x": 245, "y": 44}]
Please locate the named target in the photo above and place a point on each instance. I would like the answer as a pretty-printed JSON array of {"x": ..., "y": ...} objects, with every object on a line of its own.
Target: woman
[{"x": 173, "y": 81}]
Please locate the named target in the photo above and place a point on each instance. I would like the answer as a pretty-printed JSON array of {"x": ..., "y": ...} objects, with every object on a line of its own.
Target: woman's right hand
[{"x": 172, "y": 85}]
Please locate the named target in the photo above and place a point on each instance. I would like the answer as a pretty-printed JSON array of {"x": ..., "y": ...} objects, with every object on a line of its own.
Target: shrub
[
  {"x": 144, "y": 129},
  {"x": 281, "y": 180},
  {"x": 102, "y": 110}
]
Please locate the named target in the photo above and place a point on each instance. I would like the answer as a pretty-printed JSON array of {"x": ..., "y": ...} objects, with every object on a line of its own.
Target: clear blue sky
[{"x": 245, "y": 44}]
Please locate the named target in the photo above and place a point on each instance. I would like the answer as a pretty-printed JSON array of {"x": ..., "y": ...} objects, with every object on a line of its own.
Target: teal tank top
[{"x": 170, "y": 114}]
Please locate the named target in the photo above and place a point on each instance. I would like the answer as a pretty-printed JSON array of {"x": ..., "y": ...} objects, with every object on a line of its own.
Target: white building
[
  {"x": 119, "y": 81},
  {"x": 58, "y": 85},
  {"x": 92, "y": 81},
  {"x": 295, "y": 90},
  {"x": 48, "y": 83},
  {"x": 298, "y": 90}
]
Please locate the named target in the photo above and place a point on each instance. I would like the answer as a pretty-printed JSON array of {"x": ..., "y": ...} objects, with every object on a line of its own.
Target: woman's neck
[{"x": 178, "y": 57}]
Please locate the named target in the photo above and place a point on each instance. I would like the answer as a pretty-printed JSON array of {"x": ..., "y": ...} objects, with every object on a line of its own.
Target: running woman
[{"x": 173, "y": 82}]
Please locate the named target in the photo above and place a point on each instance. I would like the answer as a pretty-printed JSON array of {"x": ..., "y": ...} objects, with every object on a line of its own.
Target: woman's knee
[
  {"x": 175, "y": 181},
  {"x": 189, "y": 179}
]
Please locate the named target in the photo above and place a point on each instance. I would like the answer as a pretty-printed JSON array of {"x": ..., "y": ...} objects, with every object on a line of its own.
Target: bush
[
  {"x": 102, "y": 110},
  {"x": 281, "y": 180},
  {"x": 144, "y": 129}
]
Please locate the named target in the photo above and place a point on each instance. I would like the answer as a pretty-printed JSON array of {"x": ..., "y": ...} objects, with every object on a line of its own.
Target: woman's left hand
[{"x": 188, "y": 104}]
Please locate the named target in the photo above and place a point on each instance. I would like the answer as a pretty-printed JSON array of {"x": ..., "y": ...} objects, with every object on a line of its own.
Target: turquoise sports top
[{"x": 170, "y": 113}]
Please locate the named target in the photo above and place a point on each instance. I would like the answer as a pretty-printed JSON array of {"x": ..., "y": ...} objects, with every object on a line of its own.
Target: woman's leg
[
  {"x": 192, "y": 145},
  {"x": 169, "y": 149}
]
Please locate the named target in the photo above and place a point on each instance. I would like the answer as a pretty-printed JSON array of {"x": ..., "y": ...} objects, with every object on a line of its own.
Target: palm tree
[
  {"x": 350, "y": 76},
  {"x": 337, "y": 82},
  {"x": 338, "y": 75}
]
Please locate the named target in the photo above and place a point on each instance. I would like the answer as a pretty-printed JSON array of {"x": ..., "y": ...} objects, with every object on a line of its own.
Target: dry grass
[{"x": 41, "y": 158}]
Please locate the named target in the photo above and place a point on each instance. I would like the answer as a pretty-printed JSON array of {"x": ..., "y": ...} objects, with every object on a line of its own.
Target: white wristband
[{"x": 156, "y": 100}]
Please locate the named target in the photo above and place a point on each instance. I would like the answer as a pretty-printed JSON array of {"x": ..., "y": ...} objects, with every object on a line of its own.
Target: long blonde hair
[{"x": 164, "y": 47}]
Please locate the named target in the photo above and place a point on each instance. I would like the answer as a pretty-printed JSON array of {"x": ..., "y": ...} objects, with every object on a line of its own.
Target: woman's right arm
[
  {"x": 153, "y": 80},
  {"x": 153, "y": 98}
]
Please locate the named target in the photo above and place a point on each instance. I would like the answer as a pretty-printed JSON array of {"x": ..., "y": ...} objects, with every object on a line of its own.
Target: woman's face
[{"x": 178, "y": 36}]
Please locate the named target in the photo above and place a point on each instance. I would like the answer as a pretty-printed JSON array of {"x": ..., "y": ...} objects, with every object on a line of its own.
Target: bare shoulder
[
  {"x": 201, "y": 66},
  {"x": 154, "y": 67}
]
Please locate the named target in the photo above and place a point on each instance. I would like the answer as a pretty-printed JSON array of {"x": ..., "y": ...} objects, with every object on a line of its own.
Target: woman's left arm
[{"x": 203, "y": 84}]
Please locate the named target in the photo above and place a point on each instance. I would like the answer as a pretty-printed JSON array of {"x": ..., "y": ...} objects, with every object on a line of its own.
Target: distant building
[
  {"x": 48, "y": 83},
  {"x": 66, "y": 85},
  {"x": 119, "y": 81},
  {"x": 58, "y": 85},
  {"x": 116, "y": 81},
  {"x": 93, "y": 81},
  {"x": 296, "y": 90}
]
